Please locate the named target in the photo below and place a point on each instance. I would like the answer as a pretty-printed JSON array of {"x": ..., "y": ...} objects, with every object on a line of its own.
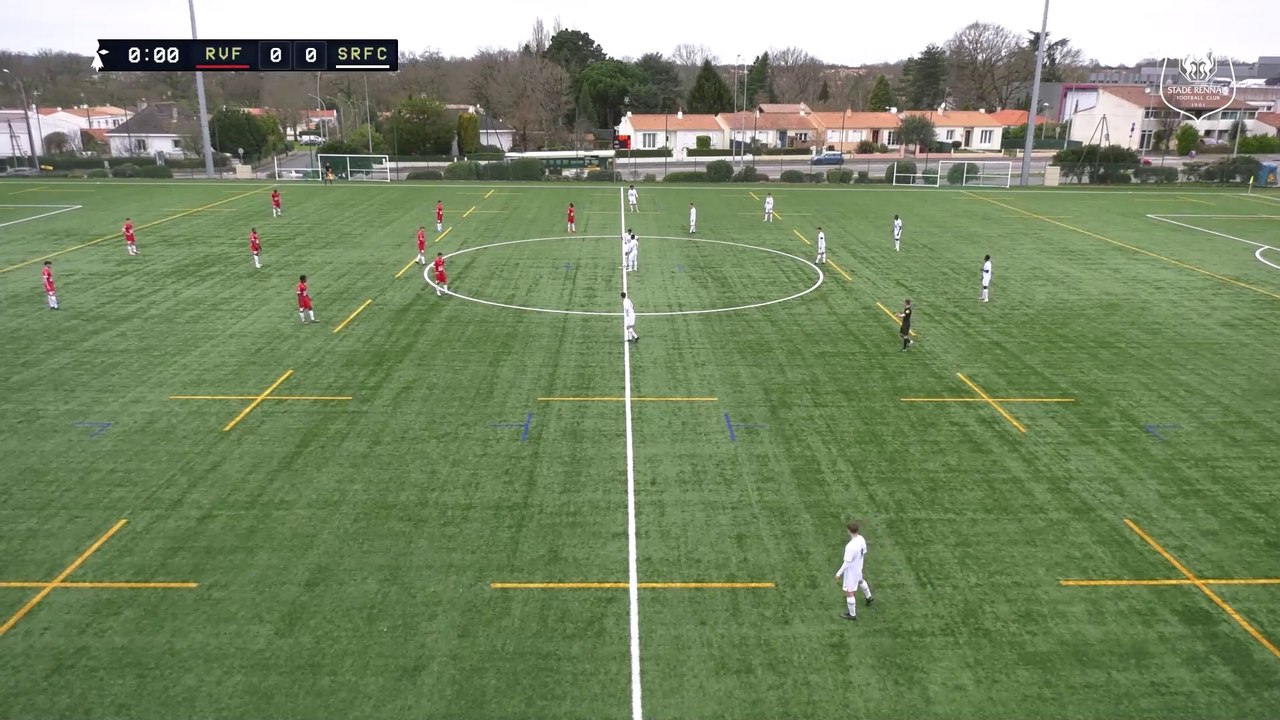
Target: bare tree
[
  {"x": 534, "y": 96},
  {"x": 540, "y": 38},
  {"x": 797, "y": 75},
  {"x": 689, "y": 58},
  {"x": 485, "y": 71},
  {"x": 989, "y": 66}
]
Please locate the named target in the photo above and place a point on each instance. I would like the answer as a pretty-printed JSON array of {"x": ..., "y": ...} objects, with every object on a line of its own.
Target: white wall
[
  {"x": 41, "y": 125},
  {"x": 497, "y": 138},
  {"x": 171, "y": 145}
]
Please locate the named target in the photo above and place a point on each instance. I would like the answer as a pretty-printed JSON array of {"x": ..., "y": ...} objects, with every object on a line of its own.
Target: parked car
[
  {"x": 310, "y": 140},
  {"x": 829, "y": 157}
]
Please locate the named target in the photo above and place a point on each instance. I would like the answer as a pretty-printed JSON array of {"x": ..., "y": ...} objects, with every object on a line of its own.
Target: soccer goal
[
  {"x": 968, "y": 173},
  {"x": 357, "y": 167}
]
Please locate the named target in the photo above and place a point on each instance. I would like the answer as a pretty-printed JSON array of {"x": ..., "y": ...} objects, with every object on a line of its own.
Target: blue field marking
[
  {"x": 524, "y": 426},
  {"x": 101, "y": 427},
  {"x": 732, "y": 427},
  {"x": 1155, "y": 430}
]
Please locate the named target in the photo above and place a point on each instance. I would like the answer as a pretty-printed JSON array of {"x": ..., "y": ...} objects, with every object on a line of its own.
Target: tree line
[{"x": 561, "y": 83}]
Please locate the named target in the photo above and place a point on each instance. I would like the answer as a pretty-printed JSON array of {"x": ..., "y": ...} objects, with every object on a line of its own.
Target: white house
[
  {"x": 14, "y": 141},
  {"x": 973, "y": 129},
  {"x": 678, "y": 131},
  {"x": 159, "y": 129},
  {"x": 496, "y": 133},
  {"x": 1134, "y": 113},
  {"x": 783, "y": 129},
  {"x": 844, "y": 130}
]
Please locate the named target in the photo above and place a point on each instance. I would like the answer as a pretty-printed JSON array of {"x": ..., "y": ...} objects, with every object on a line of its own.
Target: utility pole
[
  {"x": 26, "y": 115},
  {"x": 203, "y": 104},
  {"x": 1034, "y": 108}
]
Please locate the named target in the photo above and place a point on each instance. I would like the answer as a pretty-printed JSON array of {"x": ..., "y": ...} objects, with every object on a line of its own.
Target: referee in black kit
[{"x": 905, "y": 316}]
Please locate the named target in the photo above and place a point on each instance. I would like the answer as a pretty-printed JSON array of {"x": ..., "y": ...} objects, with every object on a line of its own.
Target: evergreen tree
[
  {"x": 824, "y": 92},
  {"x": 927, "y": 87},
  {"x": 710, "y": 93},
  {"x": 760, "y": 82},
  {"x": 881, "y": 95}
]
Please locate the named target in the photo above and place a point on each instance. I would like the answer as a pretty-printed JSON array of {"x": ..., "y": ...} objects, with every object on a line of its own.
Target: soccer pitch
[{"x": 428, "y": 506}]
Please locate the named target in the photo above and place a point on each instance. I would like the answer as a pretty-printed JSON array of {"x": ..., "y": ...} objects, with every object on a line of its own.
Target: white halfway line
[
  {"x": 633, "y": 575},
  {"x": 63, "y": 208}
]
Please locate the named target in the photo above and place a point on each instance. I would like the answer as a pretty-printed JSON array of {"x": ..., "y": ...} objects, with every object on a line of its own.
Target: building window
[
  {"x": 802, "y": 137},
  {"x": 139, "y": 145},
  {"x": 177, "y": 143},
  {"x": 1230, "y": 115},
  {"x": 648, "y": 141},
  {"x": 833, "y": 136},
  {"x": 891, "y": 138},
  {"x": 1144, "y": 139},
  {"x": 1150, "y": 114},
  {"x": 984, "y": 137},
  {"x": 951, "y": 134},
  {"x": 1251, "y": 115}
]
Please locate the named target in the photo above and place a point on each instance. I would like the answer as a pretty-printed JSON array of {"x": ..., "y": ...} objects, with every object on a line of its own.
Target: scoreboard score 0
[{"x": 247, "y": 56}]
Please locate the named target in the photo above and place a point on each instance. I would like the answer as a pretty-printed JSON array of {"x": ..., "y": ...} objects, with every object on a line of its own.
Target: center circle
[{"x": 802, "y": 293}]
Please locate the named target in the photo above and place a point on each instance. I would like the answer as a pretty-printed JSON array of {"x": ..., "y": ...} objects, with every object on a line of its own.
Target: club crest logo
[{"x": 1199, "y": 93}]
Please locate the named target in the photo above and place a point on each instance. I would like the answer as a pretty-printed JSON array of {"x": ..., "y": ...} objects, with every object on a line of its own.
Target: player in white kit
[
  {"x": 631, "y": 252},
  {"x": 897, "y": 232},
  {"x": 629, "y": 319},
  {"x": 822, "y": 247},
  {"x": 850, "y": 573},
  {"x": 633, "y": 199},
  {"x": 768, "y": 207},
  {"x": 693, "y": 219},
  {"x": 986, "y": 276}
]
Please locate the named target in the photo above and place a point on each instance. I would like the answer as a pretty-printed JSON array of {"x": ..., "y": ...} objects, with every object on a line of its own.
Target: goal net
[
  {"x": 354, "y": 167},
  {"x": 968, "y": 173}
]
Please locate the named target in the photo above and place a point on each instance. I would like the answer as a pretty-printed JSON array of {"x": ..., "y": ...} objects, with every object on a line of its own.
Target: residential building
[
  {"x": 772, "y": 129},
  {"x": 844, "y": 130},
  {"x": 493, "y": 131},
  {"x": 44, "y": 123},
  {"x": 318, "y": 121},
  {"x": 1268, "y": 123},
  {"x": 784, "y": 108},
  {"x": 1134, "y": 113},
  {"x": 973, "y": 129},
  {"x": 1265, "y": 69},
  {"x": 161, "y": 131},
  {"x": 1016, "y": 118},
  {"x": 678, "y": 131}
]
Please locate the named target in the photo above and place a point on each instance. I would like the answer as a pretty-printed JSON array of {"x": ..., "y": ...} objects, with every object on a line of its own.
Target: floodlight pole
[
  {"x": 1035, "y": 97},
  {"x": 202, "y": 103}
]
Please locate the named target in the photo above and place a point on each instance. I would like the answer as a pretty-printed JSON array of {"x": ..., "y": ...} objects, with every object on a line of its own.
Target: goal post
[
  {"x": 975, "y": 173},
  {"x": 906, "y": 172},
  {"x": 376, "y": 168}
]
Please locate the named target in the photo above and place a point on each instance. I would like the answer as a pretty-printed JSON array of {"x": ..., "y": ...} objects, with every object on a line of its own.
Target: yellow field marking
[
  {"x": 251, "y": 397},
  {"x": 893, "y": 317},
  {"x": 1002, "y": 400},
  {"x": 406, "y": 267},
  {"x": 34, "y": 189},
  {"x": 468, "y": 212},
  {"x": 992, "y": 402},
  {"x": 257, "y": 400},
  {"x": 1117, "y": 243},
  {"x": 446, "y": 232},
  {"x": 1024, "y": 217},
  {"x": 1175, "y": 581},
  {"x": 59, "y": 582},
  {"x": 507, "y": 211},
  {"x": 116, "y": 236},
  {"x": 353, "y": 315},
  {"x": 1194, "y": 200},
  {"x": 22, "y": 611},
  {"x": 753, "y": 195},
  {"x": 1200, "y": 585},
  {"x": 486, "y": 195},
  {"x": 624, "y": 586},
  {"x": 105, "y": 585},
  {"x": 797, "y": 232},
  {"x": 634, "y": 399},
  {"x": 840, "y": 270}
]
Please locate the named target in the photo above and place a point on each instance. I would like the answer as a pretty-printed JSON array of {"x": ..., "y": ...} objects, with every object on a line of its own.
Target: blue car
[{"x": 830, "y": 157}]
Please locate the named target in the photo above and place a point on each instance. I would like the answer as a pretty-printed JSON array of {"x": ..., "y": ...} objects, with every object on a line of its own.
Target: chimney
[
  {"x": 628, "y": 113},
  {"x": 982, "y": 110},
  {"x": 679, "y": 114}
]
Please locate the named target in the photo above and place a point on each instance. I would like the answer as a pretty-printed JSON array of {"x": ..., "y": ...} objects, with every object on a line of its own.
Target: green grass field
[{"x": 342, "y": 550}]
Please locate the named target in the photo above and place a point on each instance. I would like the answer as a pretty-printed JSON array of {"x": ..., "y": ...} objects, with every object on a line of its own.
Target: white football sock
[
  {"x": 852, "y": 604},
  {"x": 895, "y": 245},
  {"x": 312, "y": 315},
  {"x": 866, "y": 589}
]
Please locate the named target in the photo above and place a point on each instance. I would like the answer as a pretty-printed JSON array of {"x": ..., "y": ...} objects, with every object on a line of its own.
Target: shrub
[
  {"x": 1113, "y": 175},
  {"x": 650, "y": 177},
  {"x": 604, "y": 176},
  {"x": 1158, "y": 175},
  {"x": 709, "y": 152},
  {"x": 702, "y": 142},
  {"x": 494, "y": 171},
  {"x": 646, "y": 153},
  {"x": 865, "y": 147},
  {"x": 903, "y": 167},
  {"x": 956, "y": 144},
  {"x": 1237, "y": 169},
  {"x": 747, "y": 174},
  {"x": 864, "y": 178},
  {"x": 957, "y": 173},
  {"x": 686, "y": 177},
  {"x": 1259, "y": 144},
  {"x": 155, "y": 171},
  {"x": 465, "y": 170},
  {"x": 525, "y": 169},
  {"x": 1186, "y": 139},
  {"x": 719, "y": 171},
  {"x": 96, "y": 173},
  {"x": 791, "y": 176},
  {"x": 840, "y": 175},
  {"x": 816, "y": 177},
  {"x": 127, "y": 170},
  {"x": 882, "y": 148},
  {"x": 761, "y": 177},
  {"x": 425, "y": 175},
  {"x": 1194, "y": 171},
  {"x": 77, "y": 175}
]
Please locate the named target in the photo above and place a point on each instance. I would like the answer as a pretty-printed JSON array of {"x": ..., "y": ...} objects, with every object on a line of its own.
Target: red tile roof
[
  {"x": 767, "y": 121},
  {"x": 784, "y": 108},
  {"x": 958, "y": 118},
  {"x": 856, "y": 120},
  {"x": 1014, "y": 118},
  {"x": 1270, "y": 118},
  {"x": 675, "y": 122},
  {"x": 1138, "y": 95}
]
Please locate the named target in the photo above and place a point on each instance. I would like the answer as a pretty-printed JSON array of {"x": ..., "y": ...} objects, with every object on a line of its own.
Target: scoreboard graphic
[{"x": 247, "y": 56}]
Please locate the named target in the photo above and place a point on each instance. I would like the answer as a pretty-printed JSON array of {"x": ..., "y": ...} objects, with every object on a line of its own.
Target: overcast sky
[{"x": 852, "y": 33}]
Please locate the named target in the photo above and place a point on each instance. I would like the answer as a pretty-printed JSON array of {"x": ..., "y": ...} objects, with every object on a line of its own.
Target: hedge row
[{"x": 80, "y": 163}]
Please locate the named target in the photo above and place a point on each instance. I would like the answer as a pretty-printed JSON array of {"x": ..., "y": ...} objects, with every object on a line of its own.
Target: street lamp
[
  {"x": 368, "y": 114},
  {"x": 1044, "y": 108},
  {"x": 26, "y": 109},
  {"x": 322, "y": 108}
]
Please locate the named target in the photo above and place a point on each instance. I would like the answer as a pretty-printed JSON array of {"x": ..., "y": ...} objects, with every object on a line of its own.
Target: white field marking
[
  {"x": 1262, "y": 198},
  {"x": 1257, "y": 254},
  {"x": 61, "y": 209},
  {"x": 802, "y": 293},
  {"x": 633, "y": 574}
]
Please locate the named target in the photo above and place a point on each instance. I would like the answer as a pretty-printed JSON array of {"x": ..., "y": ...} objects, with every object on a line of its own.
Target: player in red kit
[
  {"x": 46, "y": 274},
  {"x": 130, "y": 242},
  {"x": 437, "y": 270},
  {"x": 573, "y": 227},
  {"x": 304, "y": 301},
  {"x": 254, "y": 246},
  {"x": 439, "y": 216},
  {"x": 275, "y": 203},
  {"x": 422, "y": 245}
]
